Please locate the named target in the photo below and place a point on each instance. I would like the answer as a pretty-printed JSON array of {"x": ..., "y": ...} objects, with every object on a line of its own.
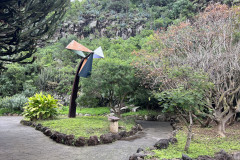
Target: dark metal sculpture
[{"x": 84, "y": 70}]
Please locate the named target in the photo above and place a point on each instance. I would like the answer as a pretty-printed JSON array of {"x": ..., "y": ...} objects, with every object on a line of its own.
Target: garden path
[{"x": 19, "y": 142}]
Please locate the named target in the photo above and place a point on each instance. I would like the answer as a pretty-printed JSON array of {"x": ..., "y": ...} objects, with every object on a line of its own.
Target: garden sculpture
[{"x": 84, "y": 69}]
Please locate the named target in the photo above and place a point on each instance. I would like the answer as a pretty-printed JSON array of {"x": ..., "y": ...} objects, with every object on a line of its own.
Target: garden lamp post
[{"x": 84, "y": 70}]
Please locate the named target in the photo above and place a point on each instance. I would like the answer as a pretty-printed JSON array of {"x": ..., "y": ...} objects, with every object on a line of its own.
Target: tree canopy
[{"x": 23, "y": 23}]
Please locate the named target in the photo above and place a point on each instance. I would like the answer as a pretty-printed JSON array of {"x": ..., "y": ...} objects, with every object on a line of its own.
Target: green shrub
[
  {"x": 14, "y": 103},
  {"x": 41, "y": 107}
]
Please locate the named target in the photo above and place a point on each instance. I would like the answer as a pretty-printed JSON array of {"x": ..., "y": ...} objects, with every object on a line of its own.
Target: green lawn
[
  {"x": 205, "y": 142},
  {"x": 84, "y": 126},
  {"x": 91, "y": 111}
]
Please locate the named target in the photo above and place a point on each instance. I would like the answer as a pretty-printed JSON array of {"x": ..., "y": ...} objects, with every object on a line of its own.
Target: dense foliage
[
  {"x": 21, "y": 27},
  {"x": 41, "y": 107}
]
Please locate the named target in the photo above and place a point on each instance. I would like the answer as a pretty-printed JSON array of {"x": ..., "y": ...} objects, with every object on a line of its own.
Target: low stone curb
[{"x": 82, "y": 141}]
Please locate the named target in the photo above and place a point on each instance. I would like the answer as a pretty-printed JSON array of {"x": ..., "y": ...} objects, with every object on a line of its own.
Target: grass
[
  {"x": 91, "y": 111},
  {"x": 83, "y": 126},
  {"x": 141, "y": 113},
  {"x": 205, "y": 142}
]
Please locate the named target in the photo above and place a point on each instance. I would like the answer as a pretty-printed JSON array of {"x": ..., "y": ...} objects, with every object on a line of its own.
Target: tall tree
[{"x": 23, "y": 23}]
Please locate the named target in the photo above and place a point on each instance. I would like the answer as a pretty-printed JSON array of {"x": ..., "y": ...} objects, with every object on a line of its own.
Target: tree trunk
[
  {"x": 189, "y": 136},
  {"x": 73, "y": 105},
  {"x": 221, "y": 128}
]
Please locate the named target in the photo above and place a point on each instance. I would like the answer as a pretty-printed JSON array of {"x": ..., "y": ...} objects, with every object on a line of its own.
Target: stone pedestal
[
  {"x": 113, "y": 124},
  {"x": 114, "y": 127}
]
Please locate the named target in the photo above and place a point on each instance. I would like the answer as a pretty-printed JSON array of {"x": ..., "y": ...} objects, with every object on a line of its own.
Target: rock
[
  {"x": 139, "y": 127},
  {"x": 116, "y": 136},
  {"x": 173, "y": 140},
  {"x": 123, "y": 134},
  {"x": 130, "y": 133},
  {"x": 39, "y": 127},
  {"x": 136, "y": 156},
  {"x": 44, "y": 129},
  {"x": 140, "y": 150},
  {"x": 185, "y": 157},
  {"x": 222, "y": 155},
  {"x": 93, "y": 24},
  {"x": 204, "y": 158},
  {"x": 174, "y": 133},
  {"x": 15, "y": 114},
  {"x": 48, "y": 132},
  {"x": 236, "y": 156},
  {"x": 93, "y": 140},
  {"x": 110, "y": 115},
  {"x": 124, "y": 109},
  {"x": 61, "y": 138},
  {"x": 69, "y": 140},
  {"x": 135, "y": 109},
  {"x": 149, "y": 118},
  {"x": 87, "y": 115},
  {"x": 34, "y": 125},
  {"x": 26, "y": 123},
  {"x": 161, "y": 118},
  {"x": 162, "y": 144},
  {"x": 81, "y": 141},
  {"x": 134, "y": 129},
  {"x": 54, "y": 136},
  {"x": 106, "y": 138}
]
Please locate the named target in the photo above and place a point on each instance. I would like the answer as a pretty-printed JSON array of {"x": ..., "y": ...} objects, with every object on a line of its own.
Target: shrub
[
  {"x": 14, "y": 103},
  {"x": 41, "y": 106}
]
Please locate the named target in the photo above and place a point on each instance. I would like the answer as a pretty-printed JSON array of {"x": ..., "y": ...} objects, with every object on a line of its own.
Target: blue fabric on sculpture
[{"x": 87, "y": 68}]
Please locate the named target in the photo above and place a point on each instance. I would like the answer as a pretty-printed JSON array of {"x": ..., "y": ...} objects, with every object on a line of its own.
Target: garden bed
[
  {"x": 83, "y": 131},
  {"x": 206, "y": 144}
]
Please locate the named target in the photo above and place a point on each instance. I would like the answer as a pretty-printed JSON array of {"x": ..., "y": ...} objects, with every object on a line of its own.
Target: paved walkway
[{"x": 18, "y": 142}]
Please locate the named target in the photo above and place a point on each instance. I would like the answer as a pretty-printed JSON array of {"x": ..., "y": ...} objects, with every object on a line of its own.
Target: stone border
[{"x": 82, "y": 141}]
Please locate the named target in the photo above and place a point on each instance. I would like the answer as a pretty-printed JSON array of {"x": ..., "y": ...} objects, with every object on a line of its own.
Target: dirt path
[{"x": 18, "y": 142}]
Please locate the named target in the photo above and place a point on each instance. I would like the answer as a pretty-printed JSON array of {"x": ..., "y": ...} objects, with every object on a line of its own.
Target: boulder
[
  {"x": 93, "y": 140},
  {"x": 26, "y": 123},
  {"x": 123, "y": 134},
  {"x": 60, "y": 138},
  {"x": 81, "y": 141},
  {"x": 161, "y": 118},
  {"x": 124, "y": 109},
  {"x": 54, "y": 136},
  {"x": 139, "y": 150},
  {"x": 162, "y": 144},
  {"x": 48, "y": 132},
  {"x": 185, "y": 157},
  {"x": 106, "y": 138},
  {"x": 44, "y": 129},
  {"x": 222, "y": 155},
  {"x": 39, "y": 127},
  {"x": 69, "y": 140},
  {"x": 116, "y": 137},
  {"x": 139, "y": 127},
  {"x": 149, "y": 118},
  {"x": 137, "y": 156},
  {"x": 134, "y": 109},
  {"x": 173, "y": 140},
  {"x": 236, "y": 156},
  {"x": 130, "y": 133},
  {"x": 204, "y": 158}
]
